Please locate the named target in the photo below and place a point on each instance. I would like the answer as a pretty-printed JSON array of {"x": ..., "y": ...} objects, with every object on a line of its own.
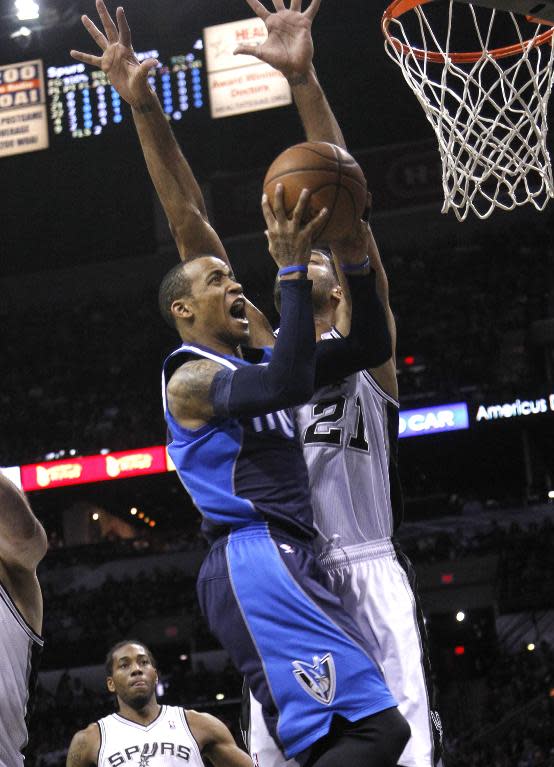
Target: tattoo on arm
[
  {"x": 189, "y": 389},
  {"x": 76, "y": 756}
]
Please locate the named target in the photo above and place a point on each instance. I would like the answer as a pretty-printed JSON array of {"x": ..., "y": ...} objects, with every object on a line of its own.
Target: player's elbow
[
  {"x": 295, "y": 390},
  {"x": 189, "y": 227}
]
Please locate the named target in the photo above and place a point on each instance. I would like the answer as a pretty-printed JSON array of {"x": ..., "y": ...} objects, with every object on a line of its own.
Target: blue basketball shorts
[{"x": 303, "y": 656}]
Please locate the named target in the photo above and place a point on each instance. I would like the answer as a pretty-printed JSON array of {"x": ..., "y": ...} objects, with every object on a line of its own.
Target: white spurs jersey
[
  {"x": 165, "y": 742},
  {"x": 20, "y": 649},
  {"x": 349, "y": 435}
]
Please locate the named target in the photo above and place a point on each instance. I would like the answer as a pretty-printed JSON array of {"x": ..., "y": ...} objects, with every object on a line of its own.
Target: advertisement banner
[
  {"x": 93, "y": 468},
  {"x": 432, "y": 420},
  {"x": 240, "y": 84},
  {"x": 23, "y": 117},
  {"x": 518, "y": 408}
]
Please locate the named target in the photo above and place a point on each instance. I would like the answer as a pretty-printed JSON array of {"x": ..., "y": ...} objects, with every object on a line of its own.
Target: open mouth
[{"x": 238, "y": 309}]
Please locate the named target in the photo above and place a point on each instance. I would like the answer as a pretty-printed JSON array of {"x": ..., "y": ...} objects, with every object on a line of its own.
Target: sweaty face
[
  {"x": 217, "y": 303},
  {"x": 133, "y": 677}
]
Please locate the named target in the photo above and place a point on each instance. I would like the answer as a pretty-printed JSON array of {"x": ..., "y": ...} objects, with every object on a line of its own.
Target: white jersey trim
[
  {"x": 136, "y": 725},
  {"x": 334, "y": 333},
  {"x": 186, "y": 725},
  {"x": 381, "y": 392},
  {"x": 103, "y": 740},
  {"x": 10, "y": 604}
]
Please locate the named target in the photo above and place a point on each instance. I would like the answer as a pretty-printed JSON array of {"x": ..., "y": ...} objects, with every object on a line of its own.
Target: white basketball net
[{"x": 490, "y": 116}]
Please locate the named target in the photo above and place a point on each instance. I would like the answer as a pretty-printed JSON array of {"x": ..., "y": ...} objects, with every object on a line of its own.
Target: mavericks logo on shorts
[{"x": 318, "y": 679}]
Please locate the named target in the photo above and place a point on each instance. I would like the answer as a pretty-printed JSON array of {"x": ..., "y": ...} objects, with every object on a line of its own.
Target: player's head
[
  {"x": 131, "y": 673},
  {"x": 326, "y": 291},
  {"x": 204, "y": 302}
]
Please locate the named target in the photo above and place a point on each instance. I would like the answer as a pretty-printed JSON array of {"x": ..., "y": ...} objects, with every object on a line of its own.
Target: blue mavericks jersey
[{"x": 240, "y": 471}]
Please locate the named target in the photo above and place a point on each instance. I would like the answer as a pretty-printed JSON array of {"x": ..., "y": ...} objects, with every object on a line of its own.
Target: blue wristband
[
  {"x": 291, "y": 269},
  {"x": 350, "y": 268}
]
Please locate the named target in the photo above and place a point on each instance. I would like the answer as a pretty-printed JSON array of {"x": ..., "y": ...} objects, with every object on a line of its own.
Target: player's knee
[
  {"x": 400, "y": 733},
  {"x": 388, "y": 732}
]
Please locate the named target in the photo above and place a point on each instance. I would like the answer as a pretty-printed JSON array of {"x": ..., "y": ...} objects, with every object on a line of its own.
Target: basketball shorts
[
  {"x": 305, "y": 660},
  {"x": 377, "y": 587}
]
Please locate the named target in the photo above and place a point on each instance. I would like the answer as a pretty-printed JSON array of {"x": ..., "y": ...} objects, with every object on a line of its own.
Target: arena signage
[
  {"x": 432, "y": 420},
  {"x": 93, "y": 468},
  {"x": 516, "y": 409},
  {"x": 240, "y": 84},
  {"x": 23, "y": 118}
]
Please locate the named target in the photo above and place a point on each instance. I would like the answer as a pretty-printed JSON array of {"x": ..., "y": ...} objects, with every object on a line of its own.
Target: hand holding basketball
[
  {"x": 353, "y": 249},
  {"x": 333, "y": 178},
  {"x": 290, "y": 237}
]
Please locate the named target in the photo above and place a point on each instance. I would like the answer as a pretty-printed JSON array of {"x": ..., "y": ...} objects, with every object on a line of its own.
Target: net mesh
[{"x": 489, "y": 115}]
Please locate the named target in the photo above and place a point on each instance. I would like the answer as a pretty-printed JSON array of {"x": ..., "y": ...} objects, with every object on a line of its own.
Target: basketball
[{"x": 333, "y": 177}]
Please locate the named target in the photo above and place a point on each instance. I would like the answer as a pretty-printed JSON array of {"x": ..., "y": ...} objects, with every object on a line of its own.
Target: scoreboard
[{"x": 82, "y": 103}]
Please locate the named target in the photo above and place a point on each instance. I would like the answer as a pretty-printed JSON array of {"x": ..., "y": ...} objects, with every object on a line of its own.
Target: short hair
[
  {"x": 176, "y": 284},
  {"x": 118, "y": 646}
]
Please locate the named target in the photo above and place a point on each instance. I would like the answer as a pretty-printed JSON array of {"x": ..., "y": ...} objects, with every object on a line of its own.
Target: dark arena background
[{"x": 83, "y": 246}]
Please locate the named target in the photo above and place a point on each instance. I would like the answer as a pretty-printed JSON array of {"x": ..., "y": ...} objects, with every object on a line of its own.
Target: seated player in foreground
[
  {"x": 236, "y": 450},
  {"x": 142, "y": 731}
]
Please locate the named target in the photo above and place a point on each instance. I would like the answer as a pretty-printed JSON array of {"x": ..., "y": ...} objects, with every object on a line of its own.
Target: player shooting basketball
[
  {"x": 251, "y": 406},
  {"x": 22, "y": 546}
]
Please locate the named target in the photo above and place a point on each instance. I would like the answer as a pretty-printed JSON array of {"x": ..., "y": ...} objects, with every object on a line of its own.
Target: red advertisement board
[{"x": 94, "y": 468}]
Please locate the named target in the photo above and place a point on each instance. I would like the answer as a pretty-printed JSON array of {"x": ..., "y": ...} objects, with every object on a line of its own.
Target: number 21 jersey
[{"x": 349, "y": 434}]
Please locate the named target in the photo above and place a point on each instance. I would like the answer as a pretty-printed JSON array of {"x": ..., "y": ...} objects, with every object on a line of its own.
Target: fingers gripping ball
[{"x": 332, "y": 176}]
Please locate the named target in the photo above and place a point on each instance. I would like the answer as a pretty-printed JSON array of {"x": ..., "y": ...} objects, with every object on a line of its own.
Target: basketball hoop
[{"x": 488, "y": 105}]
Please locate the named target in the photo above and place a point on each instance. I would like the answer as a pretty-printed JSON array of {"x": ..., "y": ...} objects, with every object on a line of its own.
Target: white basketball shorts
[{"x": 377, "y": 587}]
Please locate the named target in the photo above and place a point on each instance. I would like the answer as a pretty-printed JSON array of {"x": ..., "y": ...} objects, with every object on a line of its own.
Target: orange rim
[{"x": 399, "y": 7}]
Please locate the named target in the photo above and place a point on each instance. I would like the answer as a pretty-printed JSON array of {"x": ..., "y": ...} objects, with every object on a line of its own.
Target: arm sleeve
[
  {"x": 288, "y": 379},
  {"x": 369, "y": 343}
]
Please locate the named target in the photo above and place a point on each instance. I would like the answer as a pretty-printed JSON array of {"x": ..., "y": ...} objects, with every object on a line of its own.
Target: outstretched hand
[
  {"x": 289, "y": 46},
  {"x": 127, "y": 74}
]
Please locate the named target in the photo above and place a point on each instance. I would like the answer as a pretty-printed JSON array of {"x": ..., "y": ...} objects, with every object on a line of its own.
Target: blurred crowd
[
  {"x": 88, "y": 378},
  {"x": 516, "y": 727}
]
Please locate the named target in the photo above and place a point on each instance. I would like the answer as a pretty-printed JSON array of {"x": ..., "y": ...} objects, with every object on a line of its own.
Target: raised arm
[
  {"x": 289, "y": 48},
  {"x": 385, "y": 374},
  {"x": 368, "y": 343},
  {"x": 171, "y": 174}
]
